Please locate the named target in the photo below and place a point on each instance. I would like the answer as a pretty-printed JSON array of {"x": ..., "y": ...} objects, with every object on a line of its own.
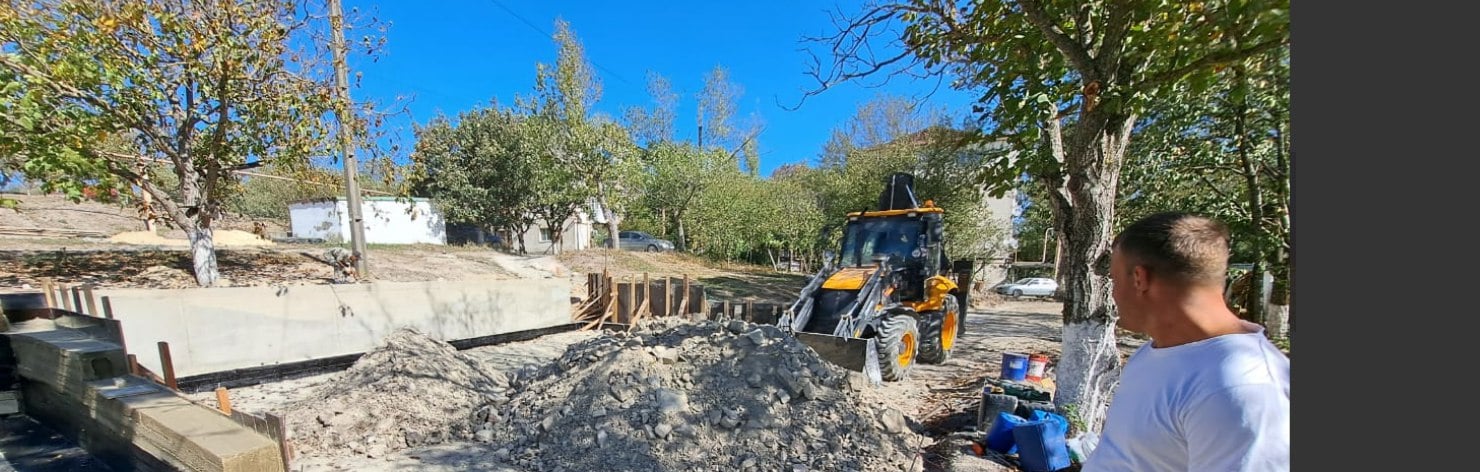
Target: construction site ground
[{"x": 937, "y": 399}]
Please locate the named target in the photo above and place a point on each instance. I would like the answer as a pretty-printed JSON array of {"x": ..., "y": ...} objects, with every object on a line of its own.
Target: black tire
[
  {"x": 897, "y": 346},
  {"x": 936, "y": 341},
  {"x": 652, "y": 248},
  {"x": 1017, "y": 293}
]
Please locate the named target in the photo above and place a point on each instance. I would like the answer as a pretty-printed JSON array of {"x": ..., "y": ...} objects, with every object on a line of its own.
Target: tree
[
  {"x": 203, "y": 88},
  {"x": 1064, "y": 82},
  {"x": 596, "y": 150},
  {"x": 674, "y": 175},
  {"x": 480, "y": 171},
  {"x": 1225, "y": 153},
  {"x": 718, "y": 104}
]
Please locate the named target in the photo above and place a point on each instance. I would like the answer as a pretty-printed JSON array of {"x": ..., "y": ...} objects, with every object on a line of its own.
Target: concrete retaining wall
[{"x": 219, "y": 329}]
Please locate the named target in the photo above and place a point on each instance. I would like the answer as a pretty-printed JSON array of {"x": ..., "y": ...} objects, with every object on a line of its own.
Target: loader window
[{"x": 862, "y": 240}]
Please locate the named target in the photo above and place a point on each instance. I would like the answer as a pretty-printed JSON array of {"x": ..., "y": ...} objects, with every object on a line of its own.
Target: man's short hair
[{"x": 1180, "y": 246}]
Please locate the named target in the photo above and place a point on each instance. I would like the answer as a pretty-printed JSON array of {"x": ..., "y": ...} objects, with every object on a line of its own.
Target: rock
[
  {"x": 597, "y": 412},
  {"x": 756, "y": 337},
  {"x": 754, "y": 380},
  {"x": 485, "y": 435},
  {"x": 665, "y": 355},
  {"x": 548, "y": 424},
  {"x": 735, "y": 327},
  {"x": 601, "y": 438},
  {"x": 730, "y": 423},
  {"x": 893, "y": 421},
  {"x": 662, "y": 430},
  {"x": 671, "y": 402}
]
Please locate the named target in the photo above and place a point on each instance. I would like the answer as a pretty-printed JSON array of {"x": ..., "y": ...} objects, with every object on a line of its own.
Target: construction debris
[
  {"x": 412, "y": 391},
  {"x": 693, "y": 396}
]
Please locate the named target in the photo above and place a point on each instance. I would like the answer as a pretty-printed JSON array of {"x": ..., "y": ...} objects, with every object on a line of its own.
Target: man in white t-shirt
[{"x": 1208, "y": 393}]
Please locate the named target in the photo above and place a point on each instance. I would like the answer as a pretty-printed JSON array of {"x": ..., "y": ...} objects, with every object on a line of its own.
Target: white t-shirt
[{"x": 1216, "y": 405}]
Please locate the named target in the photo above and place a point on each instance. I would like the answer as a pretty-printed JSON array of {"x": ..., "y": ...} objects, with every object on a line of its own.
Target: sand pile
[
  {"x": 221, "y": 238},
  {"x": 705, "y": 396},
  {"x": 411, "y": 391}
]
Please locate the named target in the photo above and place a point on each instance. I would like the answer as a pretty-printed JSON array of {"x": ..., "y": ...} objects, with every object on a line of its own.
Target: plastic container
[
  {"x": 1041, "y": 415},
  {"x": 1001, "y": 438},
  {"x": 1014, "y": 366},
  {"x": 1037, "y": 365},
  {"x": 991, "y": 405},
  {"x": 1041, "y": 446}
]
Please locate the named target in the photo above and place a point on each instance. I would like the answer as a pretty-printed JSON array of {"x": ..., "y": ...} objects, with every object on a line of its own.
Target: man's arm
[{"x": 1239, "y": 429}]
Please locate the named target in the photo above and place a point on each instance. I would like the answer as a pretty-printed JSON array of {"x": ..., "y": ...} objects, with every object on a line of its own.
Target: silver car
[
  {"x": 640, "y": 241},
  {"x": 1030, "y": 287}
]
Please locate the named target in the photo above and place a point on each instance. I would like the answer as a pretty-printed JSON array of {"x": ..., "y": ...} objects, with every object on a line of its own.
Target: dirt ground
[{"x": 937, "y": 399}]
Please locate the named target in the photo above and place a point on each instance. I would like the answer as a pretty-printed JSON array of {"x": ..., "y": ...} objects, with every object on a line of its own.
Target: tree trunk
[
  {"x": 1255, "y": 303},
  {"x": 1089, "y": 369},
  {"x": 203, "y": 256},
  {"x": 682, "y": 242},
  {"x": 611, "y": 218}
]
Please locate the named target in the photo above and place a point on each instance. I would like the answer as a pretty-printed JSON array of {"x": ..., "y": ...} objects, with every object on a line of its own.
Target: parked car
[
  {"x": 1029, "y": 287},
  {"x": 640, "y": 241}
]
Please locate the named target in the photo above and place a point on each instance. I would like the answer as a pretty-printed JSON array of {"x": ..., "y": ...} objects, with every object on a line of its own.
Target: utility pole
[{"x": 346, "y": 140}]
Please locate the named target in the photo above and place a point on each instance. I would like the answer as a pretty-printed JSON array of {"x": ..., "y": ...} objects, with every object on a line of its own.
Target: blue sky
[{"x": 450, "y": 56}]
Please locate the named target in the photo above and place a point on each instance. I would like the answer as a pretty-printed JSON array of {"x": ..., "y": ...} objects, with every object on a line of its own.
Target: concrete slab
[
  {"x": 220, "y": 329},
  {"x": 65, "y": 359}
]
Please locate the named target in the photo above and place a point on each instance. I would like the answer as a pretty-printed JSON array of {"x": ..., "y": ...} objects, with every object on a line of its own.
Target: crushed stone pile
[
  {"x": 674, "y": 395},
  {"x": 411, "y": 391}
]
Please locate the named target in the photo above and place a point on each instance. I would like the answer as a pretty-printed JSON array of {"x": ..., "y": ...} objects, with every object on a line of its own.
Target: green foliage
[
  {"x": 481, "y": 171},
  {"x": 1191, "y": 156},
  {"x": 196, "y": 89}
]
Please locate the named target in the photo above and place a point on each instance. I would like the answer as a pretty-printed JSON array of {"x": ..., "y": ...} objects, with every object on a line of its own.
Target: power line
[{"x": 542, "y": 32}]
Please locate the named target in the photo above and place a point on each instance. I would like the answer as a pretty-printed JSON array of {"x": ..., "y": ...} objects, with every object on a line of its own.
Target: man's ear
[{"x": 1141, "y": 278}]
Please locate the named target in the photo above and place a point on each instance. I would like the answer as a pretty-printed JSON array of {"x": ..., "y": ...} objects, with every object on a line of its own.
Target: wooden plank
[
  {"x": 107, "y": 308},
  {"x": 92, "y": 302},
  {"x": 66, "y": 299},
  {"x": 223, "y": 400},
  {"x": 683, "y": 306},
  {"x": 749, "y": 314},
  {"x": 133, "y": 365},
  {"x": 278, "y": 430},
  {"x": 168, "y": 365},
  {"x": 668, "y": 296},
  {"x": 726, "y": 314},
  {"x": 48, "y": 293}
]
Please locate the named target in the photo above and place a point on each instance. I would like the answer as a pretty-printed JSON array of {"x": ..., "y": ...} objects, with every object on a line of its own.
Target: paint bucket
[
  {"x": 1037, "y": 363},
  {"x": 1014, "y": 366}
]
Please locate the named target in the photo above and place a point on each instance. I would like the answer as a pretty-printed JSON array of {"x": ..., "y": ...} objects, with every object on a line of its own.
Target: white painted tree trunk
[
  {"x": 1088, "y": 370},
  {"x": 1277, "y": 320},
  {"x": 203, "y": 256}
]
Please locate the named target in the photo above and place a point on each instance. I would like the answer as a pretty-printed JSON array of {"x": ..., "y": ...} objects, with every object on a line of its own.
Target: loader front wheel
[
  {"x": 938, "y": 336},
  {"x": 898, "y": 346}
]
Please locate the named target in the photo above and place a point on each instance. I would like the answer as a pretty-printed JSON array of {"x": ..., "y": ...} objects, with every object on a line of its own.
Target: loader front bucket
[{"x": 855, "y": 354}]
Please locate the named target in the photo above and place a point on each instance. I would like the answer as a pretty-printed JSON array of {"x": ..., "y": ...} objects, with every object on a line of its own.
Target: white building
[{"x": 387, "y": 220}]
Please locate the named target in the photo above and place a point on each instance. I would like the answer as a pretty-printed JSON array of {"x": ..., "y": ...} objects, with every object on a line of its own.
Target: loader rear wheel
[
  {"x": 939, "y": 334},
  {"x": 898, "y": 346}
]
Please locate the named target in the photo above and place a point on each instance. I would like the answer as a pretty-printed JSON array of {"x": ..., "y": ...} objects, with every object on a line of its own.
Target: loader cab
[{"x": 912, "y": 239}]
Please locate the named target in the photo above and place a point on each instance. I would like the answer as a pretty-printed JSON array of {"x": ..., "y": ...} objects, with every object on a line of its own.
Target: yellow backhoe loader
[{"x": 890, "y": 297}]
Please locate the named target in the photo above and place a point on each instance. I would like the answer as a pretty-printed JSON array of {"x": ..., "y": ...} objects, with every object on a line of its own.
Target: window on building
[{"x": 546, "y": 236}]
